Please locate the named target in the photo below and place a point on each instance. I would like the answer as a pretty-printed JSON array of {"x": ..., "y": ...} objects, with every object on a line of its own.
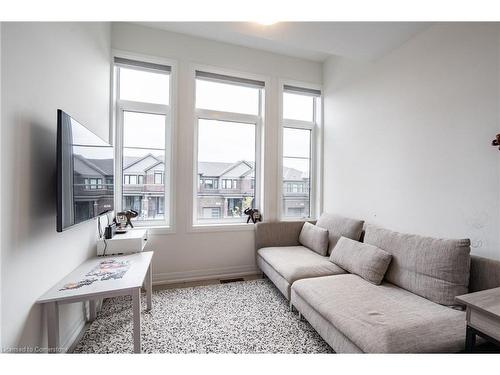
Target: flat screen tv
[{"x": 84, "y": 173}]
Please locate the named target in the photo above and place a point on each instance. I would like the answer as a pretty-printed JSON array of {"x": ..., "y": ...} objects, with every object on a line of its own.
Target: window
[
  {"x": 158, "y": 178},
  {"x": 300, "y": 114},
  {"x": 209, "y": 183},
  {"x": 211, "y": 212},
  {"x": 93, "y": 183},
  {"x": 227, "y": 184},
  {"x": 228, "y": 111},
  {"x": 143, "y": 142}
]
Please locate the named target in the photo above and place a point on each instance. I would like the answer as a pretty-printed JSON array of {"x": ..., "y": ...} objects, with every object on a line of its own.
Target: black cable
[
  {"x": 99, "y": 226},
  {"x": 105, "y": 246}
]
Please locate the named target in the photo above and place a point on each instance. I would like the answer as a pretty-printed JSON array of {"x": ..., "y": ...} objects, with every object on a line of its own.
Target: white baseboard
[{"x": 205, "y": 274}]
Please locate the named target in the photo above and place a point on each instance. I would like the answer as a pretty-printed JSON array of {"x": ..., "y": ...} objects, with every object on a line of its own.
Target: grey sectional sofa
[{"x": 411, "y": 311}]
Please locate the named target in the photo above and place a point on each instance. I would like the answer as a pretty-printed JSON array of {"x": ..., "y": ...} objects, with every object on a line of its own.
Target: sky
[{"x": 225, "y": 141}]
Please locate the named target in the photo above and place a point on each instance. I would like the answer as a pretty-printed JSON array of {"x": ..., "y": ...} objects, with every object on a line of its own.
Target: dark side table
[{"x": 482, "y": 316}]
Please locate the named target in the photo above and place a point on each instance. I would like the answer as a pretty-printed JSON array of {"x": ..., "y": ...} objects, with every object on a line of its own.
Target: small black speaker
[{"x": 110, "y": 231}]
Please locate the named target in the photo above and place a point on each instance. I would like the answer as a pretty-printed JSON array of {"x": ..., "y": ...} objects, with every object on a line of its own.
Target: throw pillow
[
  {"x": 314, "y": 238},
  {"x": 364, "y": 260}
]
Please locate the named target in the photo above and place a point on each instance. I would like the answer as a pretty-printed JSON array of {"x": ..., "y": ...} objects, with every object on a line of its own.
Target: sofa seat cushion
[
  {"x": 298, "y": 262},
  {"x": 437, "y": 269},
  {"x": 383, "y": 318}
]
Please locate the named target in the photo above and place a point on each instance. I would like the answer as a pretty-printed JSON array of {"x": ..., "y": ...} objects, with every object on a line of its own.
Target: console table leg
[
  {"x": 470, "y": 340},
  {"x": 149, "y": 287},
  {"x": 136, "y": 311},
  {"x": 52, "y": 311},
  {"x": 92, "y": 310}
]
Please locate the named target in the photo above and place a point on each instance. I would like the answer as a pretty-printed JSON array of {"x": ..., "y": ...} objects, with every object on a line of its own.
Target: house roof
[
  {"x": 105, "y": 165},
  {"x": 90, "y": 163},
  {"x": 205, "y": 168},
  {"x": 218, "y": 169},
  {"x": 293, "y": 174},
  {"x": 212, "y": 168}
]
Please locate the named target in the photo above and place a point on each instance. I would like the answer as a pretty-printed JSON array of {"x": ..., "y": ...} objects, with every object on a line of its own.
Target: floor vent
[{"x": 231, "y": 280}]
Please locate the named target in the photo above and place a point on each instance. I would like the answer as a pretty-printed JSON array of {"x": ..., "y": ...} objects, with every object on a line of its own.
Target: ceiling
[{"x": 310, "y": 40}]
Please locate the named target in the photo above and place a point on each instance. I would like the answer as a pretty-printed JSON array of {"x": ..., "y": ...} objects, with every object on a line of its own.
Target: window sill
[
  {"x": 235, "y": 227},
  {"x": 155, "y": 230},
  {"x": 298, "y": 219}
]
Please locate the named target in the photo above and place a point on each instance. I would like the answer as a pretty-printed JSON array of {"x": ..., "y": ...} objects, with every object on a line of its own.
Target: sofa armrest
[
  {"x": 484, "y": 274},
  {"x": 280, "y": 233}
]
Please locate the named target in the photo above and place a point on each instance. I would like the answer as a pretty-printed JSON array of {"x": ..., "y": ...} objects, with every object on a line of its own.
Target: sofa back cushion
[
  {"x": 436, "y": 269},
  {"x": 314, "y": 238},
  {"x": 339, "y": 226},
  {"x": 364, "y": 260}
]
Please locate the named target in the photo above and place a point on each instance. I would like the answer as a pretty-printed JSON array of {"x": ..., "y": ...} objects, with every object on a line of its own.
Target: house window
[
  {"x": 143, "y": 139},
  {"x": 227, "y": 184},
  {"x": 229, "y": 116},
  {"x": 211, "y": 212},
  {"x": 93, "y": 183},
  {"x": 295, "y": 211},
  {"x": 133, "y": 202},
  {"x": 158, "y": 178},
  {"x": 209, "y": 183},
  {"x": 300, "y": 114}
]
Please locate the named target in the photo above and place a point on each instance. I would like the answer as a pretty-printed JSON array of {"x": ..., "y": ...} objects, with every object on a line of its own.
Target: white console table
[{"x": 138, "y": 273}]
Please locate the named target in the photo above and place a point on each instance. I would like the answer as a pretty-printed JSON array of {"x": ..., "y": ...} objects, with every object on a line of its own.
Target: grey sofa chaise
[{"x": 411, "y": 311}]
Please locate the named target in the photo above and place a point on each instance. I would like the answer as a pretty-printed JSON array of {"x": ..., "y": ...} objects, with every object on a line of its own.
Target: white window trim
[
  {"x": 257, "y": 120},
  {"x": 316, "y": 127},
  {"x": 167, "y": 225}
]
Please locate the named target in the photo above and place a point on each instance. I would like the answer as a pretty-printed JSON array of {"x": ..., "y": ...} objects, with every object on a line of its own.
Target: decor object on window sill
[
  {"x": 496, "y": 141},
  {"x": 253, "y": 214},
  {"x": 122, "y": 218}
]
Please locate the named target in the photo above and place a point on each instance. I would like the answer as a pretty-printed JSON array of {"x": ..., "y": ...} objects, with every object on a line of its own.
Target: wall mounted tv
[{"x": 84, "y": 173}]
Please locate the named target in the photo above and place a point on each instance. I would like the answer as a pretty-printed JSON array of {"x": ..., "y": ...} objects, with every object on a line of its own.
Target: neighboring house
[
  {"x": 92, "y": 187},
  {"x": 143, "y": 186},
  {"x": 225, "y": 190}
]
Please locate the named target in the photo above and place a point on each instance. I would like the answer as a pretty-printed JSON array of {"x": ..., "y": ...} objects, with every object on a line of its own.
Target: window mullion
[
  {"x": 297, "y": 124},
  {"x": 208, "y": 114},
  {"x": 141, "y": 107}
]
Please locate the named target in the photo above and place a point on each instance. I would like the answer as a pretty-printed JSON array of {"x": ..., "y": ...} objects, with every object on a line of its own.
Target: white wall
[
  {"x": 407, "y": 137},
  {"x": 184, "y": 254},
  {"x": 1, "y": 207},
  {"x": 44, "y": 67}
]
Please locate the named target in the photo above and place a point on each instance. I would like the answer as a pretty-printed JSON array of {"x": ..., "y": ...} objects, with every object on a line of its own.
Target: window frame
[
  {"x": 169, "y": 111},
  {"x": 208, "y": 114},
  {"x": 316, "y": 147}
]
